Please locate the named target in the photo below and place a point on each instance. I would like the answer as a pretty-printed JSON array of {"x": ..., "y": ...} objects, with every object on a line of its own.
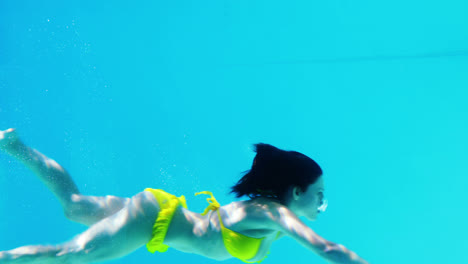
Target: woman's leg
[
  {"x": 112, "y": 237},
  {"x": 77, "y": 207}
]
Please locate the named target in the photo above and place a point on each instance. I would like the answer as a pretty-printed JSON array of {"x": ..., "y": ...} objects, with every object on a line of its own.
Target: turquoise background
[{"x": 172, "y": 94}]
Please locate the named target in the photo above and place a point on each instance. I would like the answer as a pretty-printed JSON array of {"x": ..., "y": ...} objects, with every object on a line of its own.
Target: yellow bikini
[
  {"x": 168, "y": 203},
  {"x": 238, "y": 245}
]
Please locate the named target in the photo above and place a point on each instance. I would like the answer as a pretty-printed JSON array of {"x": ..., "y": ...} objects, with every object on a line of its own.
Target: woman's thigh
[{"x": 88, "y": 210}]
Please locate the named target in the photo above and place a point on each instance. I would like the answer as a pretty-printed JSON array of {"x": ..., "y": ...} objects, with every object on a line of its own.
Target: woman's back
[{"x": 202, "y": 234}]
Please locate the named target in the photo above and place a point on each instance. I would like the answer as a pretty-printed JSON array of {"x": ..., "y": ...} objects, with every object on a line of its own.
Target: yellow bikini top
[{"x": 238, "y": 245}]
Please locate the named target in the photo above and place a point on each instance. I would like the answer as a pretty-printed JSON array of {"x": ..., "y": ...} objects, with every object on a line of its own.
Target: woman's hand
[{"x": 336, "y": 253}]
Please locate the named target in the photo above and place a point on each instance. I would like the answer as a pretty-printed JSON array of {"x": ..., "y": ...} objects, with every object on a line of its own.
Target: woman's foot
[{"x": 8, "y": 139}]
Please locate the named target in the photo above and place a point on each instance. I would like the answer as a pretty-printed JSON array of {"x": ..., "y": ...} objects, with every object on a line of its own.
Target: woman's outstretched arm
[
  {"x": 111, "y": 238},
  {"x": 291, "y": 225}
]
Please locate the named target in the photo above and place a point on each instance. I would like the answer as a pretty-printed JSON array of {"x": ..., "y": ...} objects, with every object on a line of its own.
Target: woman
[{"x": 282, "y": 186}]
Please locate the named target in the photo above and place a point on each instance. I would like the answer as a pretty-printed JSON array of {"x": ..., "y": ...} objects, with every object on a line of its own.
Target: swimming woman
[{"x": 282, "y": 186}]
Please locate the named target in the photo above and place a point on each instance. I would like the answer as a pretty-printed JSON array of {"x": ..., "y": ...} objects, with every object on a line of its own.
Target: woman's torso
[{"x": 193, "y": 233}]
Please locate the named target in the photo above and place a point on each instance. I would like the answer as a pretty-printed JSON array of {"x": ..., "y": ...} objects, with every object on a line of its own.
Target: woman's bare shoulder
[
  {"x": 267, "y": 206},
  {"x": 260, "y": 212}
]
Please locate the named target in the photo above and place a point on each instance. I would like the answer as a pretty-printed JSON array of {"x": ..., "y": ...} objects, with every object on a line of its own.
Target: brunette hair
[{"x": 274, "y": 170}]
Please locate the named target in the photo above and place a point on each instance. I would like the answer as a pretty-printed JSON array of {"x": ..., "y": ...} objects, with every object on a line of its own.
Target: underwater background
[{"x": 172, "y": 95}]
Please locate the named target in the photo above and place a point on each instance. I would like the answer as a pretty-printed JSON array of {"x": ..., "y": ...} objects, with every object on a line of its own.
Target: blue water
[{"x": 171, "y": 95}]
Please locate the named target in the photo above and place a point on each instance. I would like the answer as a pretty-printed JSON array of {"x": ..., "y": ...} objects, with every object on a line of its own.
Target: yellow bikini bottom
[{"x": 168, "y": 203}]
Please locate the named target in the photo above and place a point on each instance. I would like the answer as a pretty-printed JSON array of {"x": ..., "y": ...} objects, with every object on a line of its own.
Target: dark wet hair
[{"x": 274, "y": 171}]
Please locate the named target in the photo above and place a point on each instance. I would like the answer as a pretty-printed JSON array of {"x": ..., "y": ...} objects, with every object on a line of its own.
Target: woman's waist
[{"x": 192, "y": 233}]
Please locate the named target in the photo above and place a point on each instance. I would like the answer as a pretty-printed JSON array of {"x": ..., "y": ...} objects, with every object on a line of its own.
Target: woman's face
[{"x": 310, "y": 200}]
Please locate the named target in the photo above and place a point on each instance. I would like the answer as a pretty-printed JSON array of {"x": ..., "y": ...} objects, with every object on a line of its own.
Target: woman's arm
[
  {"x": 288, "y": 223},
  {"x": 113, "y": 237}
]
